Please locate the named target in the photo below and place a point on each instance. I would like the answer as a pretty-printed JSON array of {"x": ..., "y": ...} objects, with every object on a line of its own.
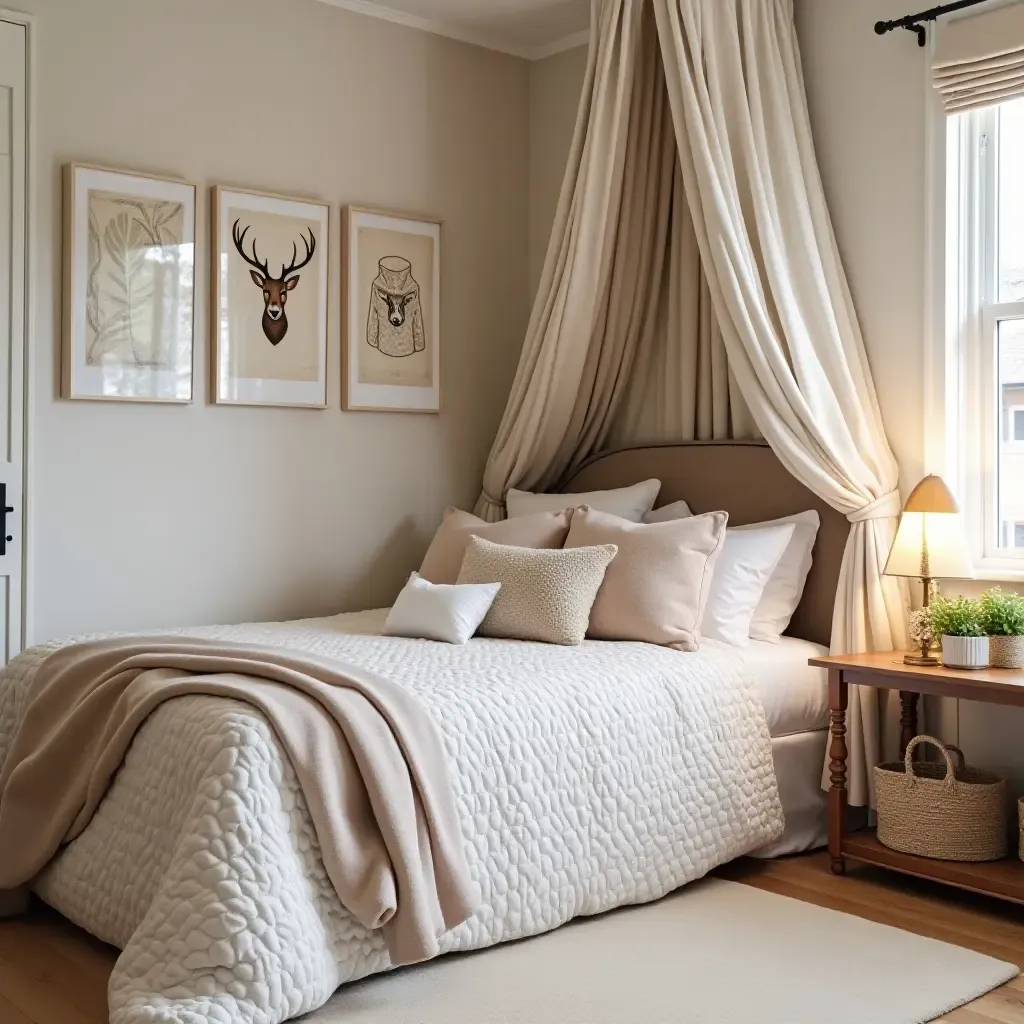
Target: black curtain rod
[{"x": 912, "y": 22}]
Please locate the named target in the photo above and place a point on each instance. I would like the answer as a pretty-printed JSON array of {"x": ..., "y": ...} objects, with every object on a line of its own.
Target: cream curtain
[
  {"x": 681, "y": 388},
  {"x": 788, "y": 323},
  {"x": 979, "y": 58},
  {"x": 726, "y": 313},
  {"x": 598, "y": 295}
]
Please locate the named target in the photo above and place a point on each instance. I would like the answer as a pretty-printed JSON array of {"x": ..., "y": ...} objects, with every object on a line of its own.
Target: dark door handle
[{"x": 5, "y": 537}]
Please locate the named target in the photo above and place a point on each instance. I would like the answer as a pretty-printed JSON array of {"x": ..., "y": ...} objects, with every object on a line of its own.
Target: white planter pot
[{"x": 965, "y": 651}]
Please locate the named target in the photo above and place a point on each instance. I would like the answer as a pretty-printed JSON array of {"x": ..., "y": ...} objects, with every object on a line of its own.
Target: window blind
[{"x": 979, "y": 60}]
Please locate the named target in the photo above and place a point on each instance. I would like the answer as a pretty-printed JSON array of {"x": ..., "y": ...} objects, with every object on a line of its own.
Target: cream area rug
[{"x": 714, "y": 952}]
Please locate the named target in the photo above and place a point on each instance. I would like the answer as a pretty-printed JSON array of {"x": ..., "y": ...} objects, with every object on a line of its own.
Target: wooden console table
[{"x": 1004, "y": 878}]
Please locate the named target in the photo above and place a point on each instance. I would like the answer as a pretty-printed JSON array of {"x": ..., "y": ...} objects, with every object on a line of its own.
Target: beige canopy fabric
[
  {"x": 681, "y": 388},
  {"x": 603, "y": 266},
  {"x": 787, "y": 319},
  {"x": 979, "y": 58},
  {"x": 779, "y": 330}
]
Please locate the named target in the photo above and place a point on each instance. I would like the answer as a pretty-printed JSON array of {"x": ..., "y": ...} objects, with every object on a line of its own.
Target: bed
[
  {"x": 747, "y": 480},
  {"x": 587, "y": 778}
]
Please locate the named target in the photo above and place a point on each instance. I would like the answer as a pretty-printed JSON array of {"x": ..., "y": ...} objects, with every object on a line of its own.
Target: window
[{"x": 984, "y": 373}]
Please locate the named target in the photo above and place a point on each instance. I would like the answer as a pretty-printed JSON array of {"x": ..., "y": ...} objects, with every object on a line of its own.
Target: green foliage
[
  {"x": 957, "y": 616},
  {"x": 1002, "y": 613}
]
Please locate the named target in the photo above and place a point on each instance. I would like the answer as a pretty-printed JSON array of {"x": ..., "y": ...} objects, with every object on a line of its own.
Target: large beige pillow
[
  {"x": 657, "y": 587},
  {"x": 443, "y": 559},
  {"x": 545, "y": 595}
]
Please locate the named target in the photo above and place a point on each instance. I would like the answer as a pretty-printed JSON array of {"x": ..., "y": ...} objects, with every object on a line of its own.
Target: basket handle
[{"x": 908, "y": 760}]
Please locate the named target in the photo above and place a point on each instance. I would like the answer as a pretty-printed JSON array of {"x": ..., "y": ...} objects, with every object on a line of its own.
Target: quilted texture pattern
[
  {"x": 545, "y": 595},
  {"x": 586, "y": 778}
]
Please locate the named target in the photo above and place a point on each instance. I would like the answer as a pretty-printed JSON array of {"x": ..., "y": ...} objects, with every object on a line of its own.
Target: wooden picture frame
[
  {"x": 269, "y": 334},
  {"x": 391, "y": 312},
  {"x": 128, "y": 319}
]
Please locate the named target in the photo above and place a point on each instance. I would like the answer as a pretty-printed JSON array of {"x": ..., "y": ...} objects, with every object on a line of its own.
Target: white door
[{"x": 13, "y": 251}]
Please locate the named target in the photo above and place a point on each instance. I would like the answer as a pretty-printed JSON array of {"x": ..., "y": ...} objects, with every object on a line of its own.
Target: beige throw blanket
[{"x": 368, "y": 757}]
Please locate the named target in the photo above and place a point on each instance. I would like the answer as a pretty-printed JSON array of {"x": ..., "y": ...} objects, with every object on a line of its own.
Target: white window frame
[{"x": 961, "y": 318}]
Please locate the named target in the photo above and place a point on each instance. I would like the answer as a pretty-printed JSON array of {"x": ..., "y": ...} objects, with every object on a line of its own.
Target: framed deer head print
[
  {"x": 129, "y": 286},
  {"x": 269, "y": 299},
  {"x": 391, "y": 300}
]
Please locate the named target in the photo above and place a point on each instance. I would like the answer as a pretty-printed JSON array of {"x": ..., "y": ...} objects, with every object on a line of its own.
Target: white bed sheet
[
  {"x": 795, "y": 699},
  {"x": 794, "y": 694}
]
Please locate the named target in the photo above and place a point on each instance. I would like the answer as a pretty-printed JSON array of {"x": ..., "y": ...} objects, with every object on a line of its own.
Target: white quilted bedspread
[{"x": 586, "y": 778}]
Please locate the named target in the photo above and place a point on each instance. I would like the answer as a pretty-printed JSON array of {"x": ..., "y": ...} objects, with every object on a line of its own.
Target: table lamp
[{"x": 930, "y": 544}]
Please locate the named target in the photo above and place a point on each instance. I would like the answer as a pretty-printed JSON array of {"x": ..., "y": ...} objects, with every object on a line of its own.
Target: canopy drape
[{"x": 780, "y": 312}]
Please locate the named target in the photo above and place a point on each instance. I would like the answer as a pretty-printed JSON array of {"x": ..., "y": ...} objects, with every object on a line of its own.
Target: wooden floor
[{"x": 53, "y": 973}]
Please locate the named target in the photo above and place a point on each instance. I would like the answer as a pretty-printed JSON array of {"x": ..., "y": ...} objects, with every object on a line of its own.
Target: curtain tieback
[{"x": 885, "y": 507}]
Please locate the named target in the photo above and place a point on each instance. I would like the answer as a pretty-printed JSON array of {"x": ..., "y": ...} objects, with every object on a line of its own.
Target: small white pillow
[
  {"x": 786, "y": 586},
  {"x": 746, "y": 562},
  {"x": 440, "y": 611},
  {"x": 668, "y": 513},
  {"x": 631, "y": 503}
]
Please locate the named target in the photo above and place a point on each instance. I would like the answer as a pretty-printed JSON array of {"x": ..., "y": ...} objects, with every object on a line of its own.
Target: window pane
[
  {"x": 1011, "y": 440},
  {"x": 1011, "y": 201}
]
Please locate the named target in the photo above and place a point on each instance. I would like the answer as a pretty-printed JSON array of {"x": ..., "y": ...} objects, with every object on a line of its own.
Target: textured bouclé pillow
[
  {"x": 656, "y": 588},
  {"x": 545, "y": 595},
  {"x": 632, "y": 502},
  {"x": 443, "y": 559}
]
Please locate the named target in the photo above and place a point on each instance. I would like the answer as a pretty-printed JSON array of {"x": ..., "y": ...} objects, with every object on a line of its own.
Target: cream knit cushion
[
  {"x": 443, "y": 559},
  {"x": 545, "y": 595},
  {"x": 657, "y": 587}
]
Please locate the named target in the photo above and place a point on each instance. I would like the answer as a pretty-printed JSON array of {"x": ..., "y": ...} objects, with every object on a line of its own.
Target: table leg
[
  {"x": 837, "y": 702},
  {"x": 908, "y": 719}
]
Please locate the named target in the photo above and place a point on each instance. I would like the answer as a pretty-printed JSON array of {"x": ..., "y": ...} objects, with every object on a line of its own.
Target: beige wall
[
  {"x": 554, "y": 99},
  {"x": 146, "y": 515}
]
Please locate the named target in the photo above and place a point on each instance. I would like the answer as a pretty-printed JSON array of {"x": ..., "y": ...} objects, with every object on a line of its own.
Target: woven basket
[
  {"x": 941, "y": 811},
  {"x": 1006, "y": 651}
]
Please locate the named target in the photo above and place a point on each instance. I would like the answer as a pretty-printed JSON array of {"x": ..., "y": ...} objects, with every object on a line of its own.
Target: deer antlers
[
  {"x": 239, "y": 240},
  {"x": 238, "y": 236},
  {"x": 293, "y": 266}
]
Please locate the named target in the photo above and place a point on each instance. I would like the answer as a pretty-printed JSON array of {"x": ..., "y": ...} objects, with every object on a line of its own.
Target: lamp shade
[{"x": 930, "y": 541}]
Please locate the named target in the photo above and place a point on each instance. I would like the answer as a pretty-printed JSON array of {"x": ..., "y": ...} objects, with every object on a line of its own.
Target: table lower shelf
[{"x": 1001, "y": 878}]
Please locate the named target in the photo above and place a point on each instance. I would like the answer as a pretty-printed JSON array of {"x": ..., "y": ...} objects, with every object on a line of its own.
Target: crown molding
[
  {"x": 569, "y": 42},
  {"x": 372, "y": 9}
]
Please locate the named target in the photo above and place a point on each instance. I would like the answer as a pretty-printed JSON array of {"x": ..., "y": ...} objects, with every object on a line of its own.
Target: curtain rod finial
[{"x": 881, "y": 27}]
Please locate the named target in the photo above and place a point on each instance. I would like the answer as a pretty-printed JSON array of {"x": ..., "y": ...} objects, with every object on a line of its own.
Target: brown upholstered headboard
[{"x": 746, "y": 480}]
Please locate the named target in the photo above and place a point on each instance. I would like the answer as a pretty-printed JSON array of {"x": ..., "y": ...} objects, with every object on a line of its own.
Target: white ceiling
[{"x": 525, "y": 28}]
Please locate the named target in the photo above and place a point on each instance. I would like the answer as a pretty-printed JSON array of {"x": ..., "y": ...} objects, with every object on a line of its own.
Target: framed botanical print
[
  {"x": 129, "y": 286},
  {"x": 269, "y": 299},
  {"x": 391, "y": 302}
]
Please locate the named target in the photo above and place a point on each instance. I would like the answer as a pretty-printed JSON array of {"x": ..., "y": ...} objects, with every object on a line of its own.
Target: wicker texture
[
  {"x": 1006, "y": 651},
  {"x": 941, "y": 811}
]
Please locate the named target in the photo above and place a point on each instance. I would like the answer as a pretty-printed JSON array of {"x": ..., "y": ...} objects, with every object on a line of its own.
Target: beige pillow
[
  {"x": 545, "y": 595},
  {"x": 443, "y": 559},
  {"x": 657, "y": 587},
  {"x": 630, "y": 502}
]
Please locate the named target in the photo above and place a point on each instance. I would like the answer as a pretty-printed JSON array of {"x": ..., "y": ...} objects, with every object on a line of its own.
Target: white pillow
[
  {"x": 667, "y": 513},
  {"x": 744, "y": 566},
  {"x": 631, "y": 503},
  {"x": 786, "y": 586},
  {"x": 440, "y": 611}
]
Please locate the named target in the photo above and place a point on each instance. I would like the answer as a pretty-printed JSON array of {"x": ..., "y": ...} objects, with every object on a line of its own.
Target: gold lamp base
[{"x": 928, "y": 660}]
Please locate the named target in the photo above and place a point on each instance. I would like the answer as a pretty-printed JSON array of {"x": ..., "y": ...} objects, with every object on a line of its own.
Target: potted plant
[
  {"x": 960, "y": 623},
  {"x": 1003, "y": 618}
]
